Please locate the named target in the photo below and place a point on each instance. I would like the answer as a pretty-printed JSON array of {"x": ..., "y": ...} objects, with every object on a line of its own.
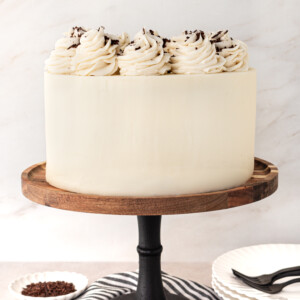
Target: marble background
[{"x": 28, "y": 30}]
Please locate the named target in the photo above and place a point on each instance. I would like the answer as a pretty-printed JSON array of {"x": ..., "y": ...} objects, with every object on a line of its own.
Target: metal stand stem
[{"x": 150, "y": 285}]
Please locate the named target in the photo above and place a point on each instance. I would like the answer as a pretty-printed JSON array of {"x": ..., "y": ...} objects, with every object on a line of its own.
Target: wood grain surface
[{"x": 263, "y": 183}]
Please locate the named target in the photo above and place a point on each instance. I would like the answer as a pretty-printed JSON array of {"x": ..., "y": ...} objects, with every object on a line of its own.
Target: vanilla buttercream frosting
[
  {"x": 145, "y": 55},
  {"x": 234, "y": 51},
  {"x": 193, "y": 53},
  {"x": 60, "y": 58},
  {"x": 97, "y": 53}
]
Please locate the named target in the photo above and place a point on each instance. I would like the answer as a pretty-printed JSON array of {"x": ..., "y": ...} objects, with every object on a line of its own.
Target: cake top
[{"x": 93, "y": 52}]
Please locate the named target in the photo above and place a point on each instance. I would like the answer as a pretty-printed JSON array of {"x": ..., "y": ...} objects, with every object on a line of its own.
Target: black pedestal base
[
  {"x": 150, "y": 285},
  {"x": 133, "y": 296}
]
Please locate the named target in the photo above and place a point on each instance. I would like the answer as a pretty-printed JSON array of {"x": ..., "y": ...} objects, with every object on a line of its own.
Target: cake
[{"x": 150, "y": 117}]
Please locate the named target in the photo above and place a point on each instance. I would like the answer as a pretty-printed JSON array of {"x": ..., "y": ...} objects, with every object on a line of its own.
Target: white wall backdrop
[{"x": 28, "y": 31}]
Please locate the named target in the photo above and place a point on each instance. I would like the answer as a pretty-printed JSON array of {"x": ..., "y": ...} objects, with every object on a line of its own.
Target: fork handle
[
  {"x": 288, "y": 272},
  {"x": 284, "y": 284}
]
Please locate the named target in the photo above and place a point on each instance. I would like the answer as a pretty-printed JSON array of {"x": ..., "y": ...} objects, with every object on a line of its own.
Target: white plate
[
  {"x": 229, "y": 293},
  {"x": 80, "y": 282},
  {"x": 257, "y": 260},
  {"x": 221, "y": 293}
]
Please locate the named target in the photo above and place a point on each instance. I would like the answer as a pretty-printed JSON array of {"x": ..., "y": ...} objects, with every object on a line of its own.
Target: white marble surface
[{"x": 28, "y": 30}]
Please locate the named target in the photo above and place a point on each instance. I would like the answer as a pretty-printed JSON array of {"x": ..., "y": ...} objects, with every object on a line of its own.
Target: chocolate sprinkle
[
  {"x": 48, "y": 289},
  {"x": 73, "y": 46},
  {"x": 151, "y": 31},
  {"x": 79, "y": 29},
  {"x": 202, "y": 34},
  {"x": 165, "y": 41},
  {"x": 216, "y": 35},
  {"x": 115, "y": 42},
  {"x": 137, "y": 48},
  {"x": 216, "y": 41}
]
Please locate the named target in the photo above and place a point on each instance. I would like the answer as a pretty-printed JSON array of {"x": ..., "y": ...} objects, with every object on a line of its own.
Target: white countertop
[{"x": 200, "y": 272}]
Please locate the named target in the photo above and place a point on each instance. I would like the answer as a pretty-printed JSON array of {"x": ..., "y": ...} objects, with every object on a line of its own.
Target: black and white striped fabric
[{"x": 115, "y": 285}]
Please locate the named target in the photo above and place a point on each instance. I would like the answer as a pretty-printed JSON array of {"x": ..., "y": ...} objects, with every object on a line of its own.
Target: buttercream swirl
[
  {"x": 60, "y": 58},
  {"x": 145, "y": 55},
  {"x": 123, "y": 41},
  {"x": 193, "y": 53},
  {"x": 96, "y": 54},
  {"x": 234, "y": 51}
]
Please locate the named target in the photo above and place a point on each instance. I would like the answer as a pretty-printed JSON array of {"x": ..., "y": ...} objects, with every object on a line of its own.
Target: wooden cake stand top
[{"x": 263, "y": 183}]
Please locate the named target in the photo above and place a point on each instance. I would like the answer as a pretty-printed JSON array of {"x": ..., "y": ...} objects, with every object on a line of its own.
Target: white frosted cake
[{"x": 135, "y": 133}]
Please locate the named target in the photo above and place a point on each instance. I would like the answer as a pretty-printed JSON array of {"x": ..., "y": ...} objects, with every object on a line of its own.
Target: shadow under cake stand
[{"x": 149, "y": 210}]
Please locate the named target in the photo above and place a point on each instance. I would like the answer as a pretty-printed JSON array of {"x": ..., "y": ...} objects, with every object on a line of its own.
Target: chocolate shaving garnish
[
  {"x": 185, "y": 32},
  {"x": 137, "y": 48},
  {"x": 217, "y": 34},
  {"x": 80, "y": 31},
  {"x": 106, "y": 38},
  {"x": 197, "y": 36},
  {"x": 73, "y": 46},
  {"x": 165, "y": 41},
  {"x": 196, "y": 48},
  {"x": 114, "y": 42},
  {"x": 216, "y": 41},
  {"x": 132, "y": 42},
  {"x": 169, "y": 71},
  {"x": 48, "y": 289},
  {"x": 151, "y": 31},
  {"x": 202, "y": 34}
]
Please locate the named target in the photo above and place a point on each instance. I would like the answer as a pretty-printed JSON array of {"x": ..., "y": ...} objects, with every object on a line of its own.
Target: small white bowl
[{"x": 80, "y": 282}]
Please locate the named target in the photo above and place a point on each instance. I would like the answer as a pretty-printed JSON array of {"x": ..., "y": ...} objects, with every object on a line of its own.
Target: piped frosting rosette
[
  {"x": 97, "y": 53},
  {"x": 193, "y": 53},
  {"x": 60, "y": 58},
  {"x": 145, "y": 55},
  {"x": 234, "y": 51}
]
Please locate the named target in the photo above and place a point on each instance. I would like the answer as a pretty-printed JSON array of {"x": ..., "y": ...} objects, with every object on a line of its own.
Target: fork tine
[{"x": 240, "y": 275}]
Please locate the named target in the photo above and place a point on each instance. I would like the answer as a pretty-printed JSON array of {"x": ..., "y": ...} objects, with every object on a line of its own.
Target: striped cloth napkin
[{"x": 115, "y": 285}]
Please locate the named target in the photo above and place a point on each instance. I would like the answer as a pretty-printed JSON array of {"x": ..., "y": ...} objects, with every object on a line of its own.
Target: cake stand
[{"x": 149, "y": 210}]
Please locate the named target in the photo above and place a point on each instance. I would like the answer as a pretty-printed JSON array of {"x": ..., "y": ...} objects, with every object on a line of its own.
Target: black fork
[
  {"x": 268, "y": 279},
  {"x": 273, "y": 288}
]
